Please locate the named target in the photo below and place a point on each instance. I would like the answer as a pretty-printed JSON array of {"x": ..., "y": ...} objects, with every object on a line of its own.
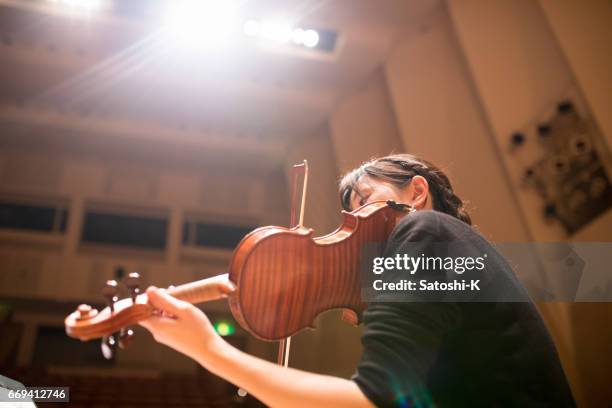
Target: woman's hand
[
  {"x": 186, "y": 329},
  {"x": 180, "y": 325}
]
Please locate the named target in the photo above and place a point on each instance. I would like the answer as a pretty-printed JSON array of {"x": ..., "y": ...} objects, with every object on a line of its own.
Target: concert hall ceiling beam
[
  {"x": 112, "y": 65},
  {"x": 61, "y": 78},
  {"x": 21, "y": 124}
]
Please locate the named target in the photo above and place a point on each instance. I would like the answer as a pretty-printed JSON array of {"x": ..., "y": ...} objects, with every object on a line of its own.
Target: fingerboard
[{"x": 204, "y": 290}]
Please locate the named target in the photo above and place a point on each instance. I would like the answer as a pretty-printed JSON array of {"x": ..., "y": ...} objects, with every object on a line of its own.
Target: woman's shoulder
[{"x": 433, "y": 223}]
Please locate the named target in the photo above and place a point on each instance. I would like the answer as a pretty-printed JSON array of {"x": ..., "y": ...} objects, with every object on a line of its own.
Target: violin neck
[{"x": 204, "y": 290}]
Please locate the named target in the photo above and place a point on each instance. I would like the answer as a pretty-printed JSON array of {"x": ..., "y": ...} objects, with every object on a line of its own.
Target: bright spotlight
[
  {"x": 83, "y": 5},
  {"x": 281, "y": 33},
  {"x": 200, "y": 22},
  {"x": 252, "y": 28},
  {"x": 311, "y": 38},
  {"x": 276, "y": 31},
  {"x": 298, "y": 36}
]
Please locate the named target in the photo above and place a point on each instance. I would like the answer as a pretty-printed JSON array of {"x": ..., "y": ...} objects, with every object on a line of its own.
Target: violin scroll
[{"x": 87, "y": 323}]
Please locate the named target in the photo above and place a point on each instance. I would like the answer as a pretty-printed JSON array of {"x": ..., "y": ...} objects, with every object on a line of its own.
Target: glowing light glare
[
  {"x": 86, "y": 5},
  {"x": 281, "y": 33},
  {"x": 298, "y": 36},
  {"x": 276, "y": 31},
  {"x": 198, "y": 22},
  {"x": 311, "y": 38},
  {"x": 252, "y": 28},
  {"x": 224, "y": 328}
]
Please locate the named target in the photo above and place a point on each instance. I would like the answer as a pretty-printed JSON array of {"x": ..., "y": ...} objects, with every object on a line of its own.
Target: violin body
[{"x": 285, "y": 277}]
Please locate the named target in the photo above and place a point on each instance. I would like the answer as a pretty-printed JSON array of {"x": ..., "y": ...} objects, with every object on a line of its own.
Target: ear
[{"x": 418, "y": 191}]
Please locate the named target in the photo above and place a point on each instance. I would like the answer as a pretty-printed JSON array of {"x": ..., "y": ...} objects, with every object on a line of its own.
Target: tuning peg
[
  {"x": 125, "y": 337},
  {"x": 86, "y": 312},
  {"x": 517, "y": 139},
  {"x": 110, "y": 293},
  {"x": 108, "y": 346},
  {"x": 133, "y": 283}
]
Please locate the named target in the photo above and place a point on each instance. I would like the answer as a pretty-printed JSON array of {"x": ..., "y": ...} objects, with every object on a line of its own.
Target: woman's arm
[
  {"x": 278, "y": 386},
  {"x": 186, "y": 329}
]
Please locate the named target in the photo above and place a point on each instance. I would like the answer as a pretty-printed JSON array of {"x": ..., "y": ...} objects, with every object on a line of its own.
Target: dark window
[
  {"x": 33, "y": 217},
  {"x": 213, "y": 235},
  {"x": 114, "y": 229}
]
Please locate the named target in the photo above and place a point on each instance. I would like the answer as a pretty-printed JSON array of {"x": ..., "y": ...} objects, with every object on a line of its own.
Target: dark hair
[{"x": 399, "y": 169}]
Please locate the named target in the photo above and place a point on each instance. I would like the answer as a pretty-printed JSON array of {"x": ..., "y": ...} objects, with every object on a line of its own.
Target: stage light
[
  {"x": 200, "y": 22},
  {"x": 252, "y": 28},
  {"x": 311, "y": 38},
  {"x": 276, "y": 31},
  {"x": 281, "y": 32}
]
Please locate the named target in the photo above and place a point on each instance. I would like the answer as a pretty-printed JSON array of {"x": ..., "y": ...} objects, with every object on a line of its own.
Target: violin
[{"x": 279, "y": 280}]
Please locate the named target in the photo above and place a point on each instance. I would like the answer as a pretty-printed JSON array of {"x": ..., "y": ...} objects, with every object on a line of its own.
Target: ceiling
[{"x": 119, "y": 67}]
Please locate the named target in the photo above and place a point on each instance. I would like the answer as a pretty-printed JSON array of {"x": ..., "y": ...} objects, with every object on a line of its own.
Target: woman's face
[{"x": 370, "y": 189}]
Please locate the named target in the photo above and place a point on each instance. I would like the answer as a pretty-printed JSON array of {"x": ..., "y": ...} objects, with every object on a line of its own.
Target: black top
[{"x": 457, "y": 354}]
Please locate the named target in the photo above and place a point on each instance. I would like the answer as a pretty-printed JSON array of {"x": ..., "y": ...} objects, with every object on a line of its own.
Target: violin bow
[{"x": 298, "y": 169}]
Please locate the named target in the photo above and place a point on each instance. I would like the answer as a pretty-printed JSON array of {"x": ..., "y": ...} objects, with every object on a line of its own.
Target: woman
[{"x": 415, "y": 353}]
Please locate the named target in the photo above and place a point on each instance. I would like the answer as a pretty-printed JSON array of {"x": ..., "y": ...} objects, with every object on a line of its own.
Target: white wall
[
  {"x": 441, "y": 119},
  {"x": 582, "y": 30},
  {"x": 520, "y": 75},
  {"x": 363, "y": 125}
]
